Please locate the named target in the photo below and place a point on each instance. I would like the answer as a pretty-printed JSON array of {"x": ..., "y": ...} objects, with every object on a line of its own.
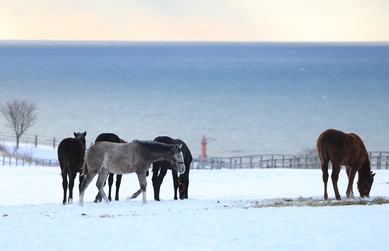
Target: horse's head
[
  {"x": 177, "y": 160},
  {"x": 80, "y": 137},
  {"x": 365, "y": 184}
]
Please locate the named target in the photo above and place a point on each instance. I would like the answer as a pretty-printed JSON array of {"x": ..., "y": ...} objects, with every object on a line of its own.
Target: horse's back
[
  {"x": 70, "y": 151},
  {"x": 341, "y": 147},
  {"x": 70, "y": 144},
  {"x": 111, "y": 137},
  {"x": 104, "y": 150}
]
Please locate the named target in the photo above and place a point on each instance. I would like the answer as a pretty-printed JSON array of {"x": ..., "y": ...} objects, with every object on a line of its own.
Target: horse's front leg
[
  {"x": 351, "y": 176},
  {"x": 110, "y": 182},
  {"x": 183, "y": 184},
  {"x": 143, "y": 184},
  {"x": 118, "y": 182},
  {"x": 175, "y": 183},
  {"x": 158, "y": 175}
]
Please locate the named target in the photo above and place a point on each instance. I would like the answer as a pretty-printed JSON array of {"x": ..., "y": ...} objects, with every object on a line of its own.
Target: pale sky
[{"x": 196, "y": 20}]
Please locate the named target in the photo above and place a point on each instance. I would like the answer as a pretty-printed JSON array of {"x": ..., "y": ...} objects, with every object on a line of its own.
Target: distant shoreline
[{"x": 126, "y": 42}]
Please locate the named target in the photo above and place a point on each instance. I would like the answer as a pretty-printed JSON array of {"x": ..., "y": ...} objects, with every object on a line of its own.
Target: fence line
[
  {"x": 26, "y": 161},
  {"x": 378, "y": 159},
  {"x": 34, "y": 140}
]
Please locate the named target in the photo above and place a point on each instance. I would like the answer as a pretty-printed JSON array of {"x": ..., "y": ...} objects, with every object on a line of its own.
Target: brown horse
[{"x": 345, "y": 149}]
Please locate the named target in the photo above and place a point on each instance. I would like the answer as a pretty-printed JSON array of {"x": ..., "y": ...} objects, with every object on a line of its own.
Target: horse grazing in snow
[
  {"x": 345, "y": 149},
  {"x": 71, "y": 153},
  {"x": 107, "y": 157},
  {"x": 110, "y": 137}
]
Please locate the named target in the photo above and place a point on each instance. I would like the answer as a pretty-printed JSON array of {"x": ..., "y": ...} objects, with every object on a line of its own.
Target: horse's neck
[
  {"x": 159, "y": 152},
  {"x": 82, "y": 141},
  {"x": 365, "y": 168}
]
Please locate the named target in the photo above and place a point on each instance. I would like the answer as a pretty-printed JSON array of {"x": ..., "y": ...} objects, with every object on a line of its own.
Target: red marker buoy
[{"x": 203, "y": 148}]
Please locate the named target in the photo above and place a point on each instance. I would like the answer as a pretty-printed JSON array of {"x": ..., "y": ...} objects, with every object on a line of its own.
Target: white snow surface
[{"x": 219, "y": 214}]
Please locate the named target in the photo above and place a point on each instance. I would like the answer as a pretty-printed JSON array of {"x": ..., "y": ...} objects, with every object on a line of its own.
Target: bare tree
[{"x": 20, "y": 115}]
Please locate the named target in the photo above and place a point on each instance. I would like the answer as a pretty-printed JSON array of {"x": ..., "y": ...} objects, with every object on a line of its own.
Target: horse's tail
[
  {"x": 84, "y": 169},
  {"x": 321, "y": 147},
  {"x": 64, "y": 164}
]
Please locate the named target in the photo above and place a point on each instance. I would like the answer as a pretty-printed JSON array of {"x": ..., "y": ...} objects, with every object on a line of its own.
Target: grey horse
[{"x": 106, "y": 157}]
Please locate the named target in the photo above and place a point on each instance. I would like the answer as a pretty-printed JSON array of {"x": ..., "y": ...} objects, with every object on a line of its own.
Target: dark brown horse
[
  {"x": 71, "y": 153},
  {"x": 345, "y": 149},
  {"x": 110, "y": 137},
  {"x": 160, "y": 168}
]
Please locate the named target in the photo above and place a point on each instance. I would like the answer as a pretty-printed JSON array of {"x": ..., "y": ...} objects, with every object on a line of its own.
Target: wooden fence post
[
  {"x": 54, "y": 143},
  {"x": 387, "y": 160},
  {"x": 36, "y": 140}
]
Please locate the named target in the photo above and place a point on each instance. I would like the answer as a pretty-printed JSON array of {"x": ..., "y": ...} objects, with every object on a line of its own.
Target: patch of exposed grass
[
  {"x": 14, "y": 153},
  {"x": 311, "y": 202}
]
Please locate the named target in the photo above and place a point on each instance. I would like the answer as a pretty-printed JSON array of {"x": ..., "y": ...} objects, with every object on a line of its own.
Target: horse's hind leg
[
  {"x": 143, "y": 184},
  {"x": 100, "y": 182},
  {"x": 335, "y": 177},
  {"x": 64, "y": 186},
  {"x": 85, "y": 183},
  {"x": 71, "y": 185},
  {"x": 324, "y": 168},
  {"x": 351, "y": 175}
]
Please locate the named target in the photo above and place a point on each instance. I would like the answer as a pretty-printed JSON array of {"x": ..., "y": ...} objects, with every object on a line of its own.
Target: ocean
[{"x": 246, "y": 98}]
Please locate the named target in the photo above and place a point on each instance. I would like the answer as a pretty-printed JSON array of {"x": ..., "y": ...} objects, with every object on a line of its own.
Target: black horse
[
  {"x": 160, "y": 169},
  {"x": 71, "y": 153},
  {"x": 111, "y": 137}
]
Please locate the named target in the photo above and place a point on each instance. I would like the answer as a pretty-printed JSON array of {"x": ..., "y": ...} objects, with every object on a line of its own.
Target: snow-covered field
[{"x": 219, "y": 215}]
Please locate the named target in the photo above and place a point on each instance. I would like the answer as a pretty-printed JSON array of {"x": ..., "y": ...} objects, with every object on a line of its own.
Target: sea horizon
[{"x": 245, "y": 97}]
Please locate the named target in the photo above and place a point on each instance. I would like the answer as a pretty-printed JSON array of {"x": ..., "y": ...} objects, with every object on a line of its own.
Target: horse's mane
[{"x": 152, "y": 145}]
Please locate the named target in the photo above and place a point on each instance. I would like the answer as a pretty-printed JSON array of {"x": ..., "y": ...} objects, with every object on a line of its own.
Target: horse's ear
[
  {"x": 84, "y": 133},
  {"x": 372, "y": 174},
  {"x": 178, "y": 147},
  {"x": 75, "y": 134}
]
